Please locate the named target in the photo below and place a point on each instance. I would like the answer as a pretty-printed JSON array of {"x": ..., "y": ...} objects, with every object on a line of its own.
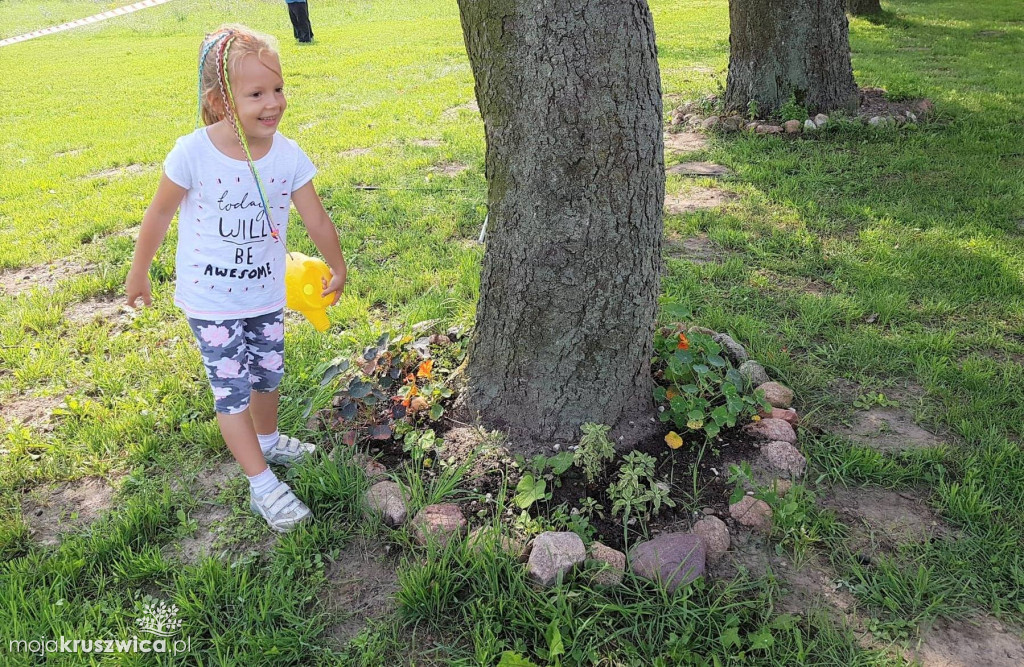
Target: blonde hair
[{"x": 231, "y": 42}]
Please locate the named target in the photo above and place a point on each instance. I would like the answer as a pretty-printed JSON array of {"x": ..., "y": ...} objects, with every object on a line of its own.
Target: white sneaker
[
  {"x": 288, "y": 450},
  {"x": 282, "y": 510}
]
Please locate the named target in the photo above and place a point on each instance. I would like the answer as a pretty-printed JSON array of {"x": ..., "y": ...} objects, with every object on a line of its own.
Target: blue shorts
[{"x": 241, "y": 356}]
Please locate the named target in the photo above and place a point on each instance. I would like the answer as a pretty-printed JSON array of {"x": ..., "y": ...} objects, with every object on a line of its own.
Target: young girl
[{"x": 234, "y": 181}]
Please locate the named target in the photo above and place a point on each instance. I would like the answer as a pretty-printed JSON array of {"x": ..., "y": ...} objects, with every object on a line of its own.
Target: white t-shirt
[{"x": 228, "y": 264}]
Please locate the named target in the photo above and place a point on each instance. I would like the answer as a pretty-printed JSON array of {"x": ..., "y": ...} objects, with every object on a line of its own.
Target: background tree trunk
[
  {"x": 570, "y": 95},
  {"x": 864, "y": 7},
  {"x": 799, "y": 48}
]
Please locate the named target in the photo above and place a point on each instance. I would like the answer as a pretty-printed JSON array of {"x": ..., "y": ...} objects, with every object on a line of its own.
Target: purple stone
[{"x": 673, "y": 559}]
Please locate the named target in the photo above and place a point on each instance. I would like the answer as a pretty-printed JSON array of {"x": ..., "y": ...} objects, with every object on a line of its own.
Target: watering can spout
[
  {"x": 304, "y": 280},
  {"x": 318, "y": 318}
]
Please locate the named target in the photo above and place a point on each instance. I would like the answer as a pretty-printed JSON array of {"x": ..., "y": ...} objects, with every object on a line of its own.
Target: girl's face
[{"x": 259, "y": 95}]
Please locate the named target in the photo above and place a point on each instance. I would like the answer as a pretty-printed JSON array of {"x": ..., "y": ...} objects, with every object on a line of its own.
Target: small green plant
[
  {"x": 871, "y": 399},
  {"x": 589, "y": 507},
  {"x": 793, "y": 110},
  {"x": 636, "y": 492},
  {"x": 533, "y": 485},
  {"x": 594, "y": 450},
  {"x": 752, "y": 109}
]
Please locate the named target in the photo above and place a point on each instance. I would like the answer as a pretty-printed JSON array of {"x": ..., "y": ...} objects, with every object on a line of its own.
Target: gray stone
[
  {"x": 374, "y": 469},
  {"x": 772, "y": 429},
  {"x": 768, "y": 129},
  {"x": 754, "y": 373},
  {"x": 732, "y": 349},
  {"x": 386, "y": 499},
  {"x": 702, "y": 330},
  {"x": 792, "y": 126},
  {"x": 752, "y": 513},
  {"x": 438, "y": 522},
  {"x": 672, "y": 559},
  {"x": 612, "y": 565},
  {"x": 778, "y": 395},
  {"x": 714, "y": 534},
  {"x": 809, "y": 125},
  {"x": 820, "y": 120},
  {"x": 732, "y": 124},
  {"x": 784, "y": 457},
  {"x": 553, "y": 555},
  {"x": 711, "y": 122},
  {"x": 875, "y": 120}
]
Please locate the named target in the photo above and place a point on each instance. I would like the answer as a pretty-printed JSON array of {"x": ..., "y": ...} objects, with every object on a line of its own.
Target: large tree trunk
[
  {"x": 571, "y": 100},
  {"x": 799, "y": 48},
  {"x": 864, "y": 7}
]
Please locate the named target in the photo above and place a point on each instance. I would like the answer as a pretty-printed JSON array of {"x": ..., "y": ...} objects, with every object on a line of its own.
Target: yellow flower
[
  {"x": 427, "y": 463},
  {"x": 673, "y": 440},
  {"x": 755, "y": 418}
]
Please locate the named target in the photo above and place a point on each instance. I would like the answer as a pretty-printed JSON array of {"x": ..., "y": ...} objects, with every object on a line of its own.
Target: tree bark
[
  {"x": 570, "y": 96},
  {"x": 864, "y": 7},
  {"x": 799, "y": 48}
]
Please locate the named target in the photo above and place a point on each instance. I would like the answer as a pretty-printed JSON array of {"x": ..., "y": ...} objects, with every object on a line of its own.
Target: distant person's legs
[
  {"x": 299, "y": 13},
  {"x": 293, "y": 15}
]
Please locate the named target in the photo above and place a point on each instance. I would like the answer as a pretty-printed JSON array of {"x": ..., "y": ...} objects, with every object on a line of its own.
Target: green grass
[{"x": 920, "y": 227}]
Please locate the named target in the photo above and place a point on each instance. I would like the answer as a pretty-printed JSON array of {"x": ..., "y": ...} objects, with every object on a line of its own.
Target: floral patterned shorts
[{"x": 241, "y": 355}]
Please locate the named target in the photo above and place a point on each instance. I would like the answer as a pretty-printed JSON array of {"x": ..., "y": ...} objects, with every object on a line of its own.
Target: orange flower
[
  {"x": 412, "y": 392},
  {"x": 425, "y": 369},
  {"x": 684, "y": 344}
]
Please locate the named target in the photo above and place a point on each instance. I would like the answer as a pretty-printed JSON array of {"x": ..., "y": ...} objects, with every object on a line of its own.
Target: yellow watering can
[{"x": 303, "y": 283}]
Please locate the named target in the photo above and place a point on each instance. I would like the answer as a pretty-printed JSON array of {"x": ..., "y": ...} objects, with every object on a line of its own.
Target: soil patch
[
  {"x": 696, "y": 199},
  {"x": 104, "y": 309},
  {"x": 354, "y": 152},
  {"x": 673, "y": 467},
  {"x": 40, "y": 277},
  {"x": 811, "y": 585},
  {"x": 888, "y": 430},
  {"x": 874, "y": 103},
  {"x": 51, "y": 511},
  {"x": 118, "y": 172},
  {"x": 882, "y": 519},
  {"x": 207, "y": 514},
  {"x": 696, "y": 249},
  {"x": 34, "y": 412},
  {"x": 685, "y": 142},
  {"x": 699, "y": 169},
  {"x": 362, "y": 582},
  {"x": 426, "y": 143},
  {"x": 970, "y": 642},
  {"x": 449, "y": 168},
  {"x": 453, "y": 112}
]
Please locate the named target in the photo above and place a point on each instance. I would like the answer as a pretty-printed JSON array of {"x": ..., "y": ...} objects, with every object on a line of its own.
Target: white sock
[
  {"x": 263, "y": 483},
  {"x": 269, "y": 440}
]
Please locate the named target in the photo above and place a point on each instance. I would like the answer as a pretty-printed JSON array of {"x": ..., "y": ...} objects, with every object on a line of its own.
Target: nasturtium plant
[{"x": 698, "y": 389}]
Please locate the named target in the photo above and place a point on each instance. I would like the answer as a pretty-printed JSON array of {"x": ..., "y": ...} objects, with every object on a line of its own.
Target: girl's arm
[
  {"x": 324, "y": 234},
  {"x": 154, "y": 228}
]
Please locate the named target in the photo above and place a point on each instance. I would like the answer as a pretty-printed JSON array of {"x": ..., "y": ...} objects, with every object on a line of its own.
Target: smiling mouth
[{"x": 268, "y": 119}]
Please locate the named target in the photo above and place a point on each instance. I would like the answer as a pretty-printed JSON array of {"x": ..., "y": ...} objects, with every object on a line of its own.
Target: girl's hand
[
  {"x": 137, "y": 285},
  {"x": 336, "y": 286}
]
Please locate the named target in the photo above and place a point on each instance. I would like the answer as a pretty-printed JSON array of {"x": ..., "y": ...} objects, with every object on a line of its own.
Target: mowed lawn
[{"x": 869, "y": 269}]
